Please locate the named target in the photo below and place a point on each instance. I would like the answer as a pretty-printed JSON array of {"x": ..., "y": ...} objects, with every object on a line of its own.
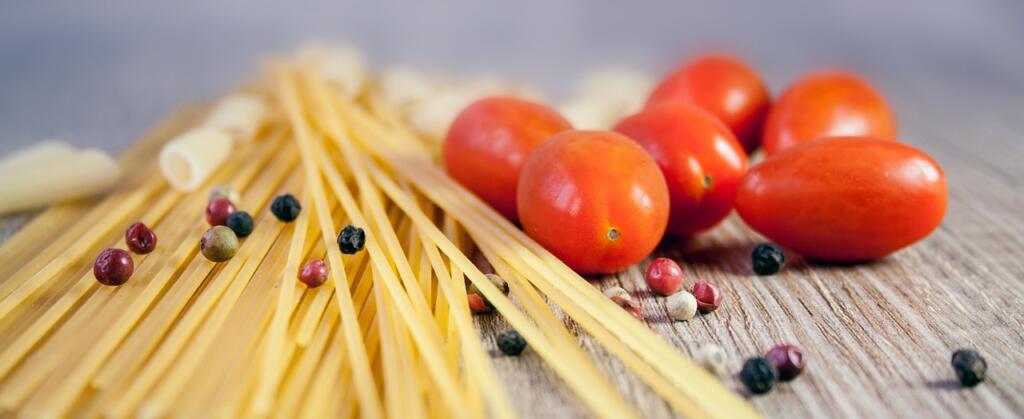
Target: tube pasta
[
  {"x": 190, "y": 158},
  {"x": 39, "y": 153},
  {"x": 76, "y": 176},
  {"x": 240, "y": 114}
]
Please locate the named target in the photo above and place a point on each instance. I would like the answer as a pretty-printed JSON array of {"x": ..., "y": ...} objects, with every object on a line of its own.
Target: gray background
[{"x": 99, "y": 72}]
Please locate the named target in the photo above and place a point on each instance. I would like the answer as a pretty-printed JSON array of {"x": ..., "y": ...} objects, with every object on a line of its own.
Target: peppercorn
[
  {"x": 478, "y": 304},
  {"x": 681, "y": 306},
  {"x": 225, "y": 191},
  {"x": 969, "y": 366},
  {"x": 767, "y": 259},
  {"x": 788, "y": 360},
  {"x": 113, "y": 267},
  {"x": 351, "y": 239},
  {"x": 140, "y": 239},
  {"x": 511, "y": 343},
  {"x": 629, "y": 305},
  {"x": 218, "y": 210},
  {"x": 758, "y": 375},
  {"x": 498, "y": 283},
  {"x": 286, "y": 208},
  {"x": 664, "y": 276},
  {"x": 241, "y": 223},
  {"x": 616, "y": 292},
  {"x": 218, "y": 244},
  {"x": 711, "y": 357},
  {"x": 707, "y": 295},
  {"x": 313, "y": 273}
]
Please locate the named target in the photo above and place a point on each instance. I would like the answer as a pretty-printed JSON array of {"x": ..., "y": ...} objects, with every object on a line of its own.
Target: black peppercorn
[
  {"x": 241, "y": 223},
  {"x": 767, "y": 259},
  {"x": 511, "y": 343},
  {"x": 351, "y": 239},
  {"x": 758, "y": 375},
  {"x": 970, "y": 367},
  {"x": 286, "y": 208}
]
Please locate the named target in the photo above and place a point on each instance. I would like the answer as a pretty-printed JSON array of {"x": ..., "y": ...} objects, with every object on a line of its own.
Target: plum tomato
[
  {"x": 700, "y": 158},
  {"x": 595, "y": 199},
  {"x": 488, "y": 143},
  {"x": 827, "y": 104},
  {"x": 724, "y": 86},
  {"x": 846, "y": 199}
]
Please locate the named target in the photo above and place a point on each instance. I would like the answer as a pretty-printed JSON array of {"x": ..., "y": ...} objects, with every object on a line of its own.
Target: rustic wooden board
[{"x": 878, "y": 335}]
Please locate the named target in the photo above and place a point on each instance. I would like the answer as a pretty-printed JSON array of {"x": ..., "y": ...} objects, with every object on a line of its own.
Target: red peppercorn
[
  {"x": 140, "y": 239},
  {"x": 477, "y": 305},
  {"x": 314, "y": 273},
  {"x": 664, "y": 276},
  {"x": 708, "y": 297},
  {"x": 218, "y": 210},
  {"x": 113, "y": 267},
  {"x": 629, "y": 305},
  {"x": 788, "y": 359}
]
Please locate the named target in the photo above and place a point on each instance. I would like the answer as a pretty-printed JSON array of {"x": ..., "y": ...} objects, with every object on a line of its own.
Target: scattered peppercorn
[
  {"x": 511, "y": 343},
  {"x": 970, "y": 367},
  {"x": 707, "y": 295},
  {"x": 351, "y": 239},
  {"x": 313, "y": 273},
  {"x": 616, "y": 292},
  {"x": 767, "y": 259},
  {"x": 225, "y": 191},
  {"x": 286, "y": 208},
  {"x": 758, "y": 375},
  {"x": 479, "y": 305},
  {"x": 241, "y": 223},
  {"x": 664, "y": 276},
  {"x": 140, "y": 239},
  {"x": 711, "y": 357},
  {"x": 629, "y": 305},
  {"x": 113, "y": 267},
  {"x": 218, "y": 244},
  {"x": 218, "y": 210},
  {"x": 788, "y": 360},
  {"x": 498, "y": 283},
  {"x": 495, "y": 280},
  {"x": 681, "y": 306}
]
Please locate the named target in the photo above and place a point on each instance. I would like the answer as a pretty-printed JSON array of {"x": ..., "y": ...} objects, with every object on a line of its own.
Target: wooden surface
[{"x": 878, "y": 336}]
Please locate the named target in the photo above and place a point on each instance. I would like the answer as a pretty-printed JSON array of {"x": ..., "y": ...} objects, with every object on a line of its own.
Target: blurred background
[{"x": 98, "y": 73}]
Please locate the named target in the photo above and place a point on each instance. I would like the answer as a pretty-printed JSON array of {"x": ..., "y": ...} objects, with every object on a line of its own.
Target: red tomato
[
  {"x": 827, "y": 104},
  {"x": 844, "y": 199},
  {"x": 701, "y": 161},
  {"x": 488, "y": 143},
  {"x": 595, "y": 199},
  {"x": 724, "y": 86}
]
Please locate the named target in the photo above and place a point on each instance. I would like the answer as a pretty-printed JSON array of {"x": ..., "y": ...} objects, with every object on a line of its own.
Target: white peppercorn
[
  {"x": 711, "y": 357},
  {"x": 681, "y": 306}
]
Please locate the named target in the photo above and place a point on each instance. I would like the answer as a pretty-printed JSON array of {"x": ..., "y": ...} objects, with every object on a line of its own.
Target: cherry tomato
[
  {"x": 827, "y": 104},
  {"x": 701, "y": 161},
  {"x": 724, "y": 86},
  {"x": 845, "y": 199},
  {"x": 488, "y": 143},
  {"x": 595, "y": 199}
]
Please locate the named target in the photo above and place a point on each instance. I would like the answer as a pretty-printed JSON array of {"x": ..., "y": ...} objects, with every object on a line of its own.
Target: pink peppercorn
[
  {"x": 477, "y": 304},
  {"x": 140, "y": 239},
  {"x": 218, "y": 210},
  {"x": 664, "y": 276},
  {"x": 314, "y": 273},
  {"x": 708, "y": 297},
  {"x": 629, "y": 305},
  {"x": 113, "y": 267},
  {"x": 788, "y": 360}
]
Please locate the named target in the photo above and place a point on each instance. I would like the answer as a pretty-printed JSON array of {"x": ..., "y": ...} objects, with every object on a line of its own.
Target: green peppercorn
[
  {"x": 767, "y": 259},
  {"x": 351, "y": 239},
  {"x": 497, "y": 281},
  {"x": 218, "y": 244},
  {"x": 241, "y": 223},
  {"x": 758, "y": 375},
  {"x": 970, "y": 367},
  {"x": 286, "y": 208},
  {"x": 511, "y": 343}
]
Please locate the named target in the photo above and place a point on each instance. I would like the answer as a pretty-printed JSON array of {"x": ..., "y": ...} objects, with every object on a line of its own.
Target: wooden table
[{"x": 878, "y": 336}]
